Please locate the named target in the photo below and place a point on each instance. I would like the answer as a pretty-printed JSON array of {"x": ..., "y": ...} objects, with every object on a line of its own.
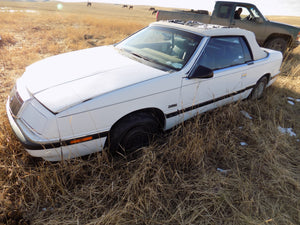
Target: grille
[{"x": 15, "y": 101}]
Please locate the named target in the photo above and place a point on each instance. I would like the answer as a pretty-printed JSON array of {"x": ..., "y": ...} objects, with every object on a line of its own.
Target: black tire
[
  {"x": 133, "y": 132},
  {"x": 279, "y": 44},
  {"x": 258, "y": 91}
]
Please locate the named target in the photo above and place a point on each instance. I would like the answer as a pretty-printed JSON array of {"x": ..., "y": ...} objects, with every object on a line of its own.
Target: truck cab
[
  {"x": 247, "y": 16},
  {"x": 237, "y": 14}
]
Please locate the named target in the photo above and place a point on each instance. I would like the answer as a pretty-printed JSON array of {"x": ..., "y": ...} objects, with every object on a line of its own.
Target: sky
[{"x": 267, "y": 7}]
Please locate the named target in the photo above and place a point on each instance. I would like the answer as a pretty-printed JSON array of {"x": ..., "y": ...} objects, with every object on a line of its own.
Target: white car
[{"x": 119, "y": 96}]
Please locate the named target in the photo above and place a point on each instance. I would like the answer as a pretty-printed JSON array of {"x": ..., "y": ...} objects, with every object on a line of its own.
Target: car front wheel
[{"x": 133, "y": 132}]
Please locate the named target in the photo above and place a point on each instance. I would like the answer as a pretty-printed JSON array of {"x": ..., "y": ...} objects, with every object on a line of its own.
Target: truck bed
[{"x": 181, "y": 15}]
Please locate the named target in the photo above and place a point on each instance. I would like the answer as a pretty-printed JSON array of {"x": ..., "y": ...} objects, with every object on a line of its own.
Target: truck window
[
  {"x": 246, "y": 14},
  {"x": 223, "y": 52},
  {"x": 224, "y": 11},
  {"x": 241, "y": 13},
  {"x": 256, "y": 13}
]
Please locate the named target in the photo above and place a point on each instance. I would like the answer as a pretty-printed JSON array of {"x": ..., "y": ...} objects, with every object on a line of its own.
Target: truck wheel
[
  {"x": 258, "y": 91},
  {"x": 279, "y": 44},
  {"x": 133, "y": 132}
]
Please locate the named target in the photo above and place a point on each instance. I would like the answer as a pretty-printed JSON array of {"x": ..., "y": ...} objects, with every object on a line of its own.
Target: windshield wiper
[
  {"x": 153, "y": 61},
  {"x": 147, "y": 59},
  {"x": 140, "y": 56}
]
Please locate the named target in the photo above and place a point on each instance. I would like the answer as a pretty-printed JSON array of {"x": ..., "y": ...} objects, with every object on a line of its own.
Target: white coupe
[{"x": 119, "y": 96}]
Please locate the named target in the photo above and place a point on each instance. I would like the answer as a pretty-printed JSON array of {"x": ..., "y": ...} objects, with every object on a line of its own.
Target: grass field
[{"x": 199, "y": 173}]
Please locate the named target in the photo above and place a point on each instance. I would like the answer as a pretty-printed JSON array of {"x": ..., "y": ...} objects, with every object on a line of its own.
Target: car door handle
[{"x": 250, "y": 63}]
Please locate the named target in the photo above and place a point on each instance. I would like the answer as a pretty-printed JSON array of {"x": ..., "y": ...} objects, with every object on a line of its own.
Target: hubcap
[
  {"x": 135, "y": 139},
  {"x": 260, "y": 89},
  {"x": 258, "y": 92}
]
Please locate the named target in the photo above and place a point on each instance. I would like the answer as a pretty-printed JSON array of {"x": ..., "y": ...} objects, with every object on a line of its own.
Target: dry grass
[{"x": 176, "y": 181}]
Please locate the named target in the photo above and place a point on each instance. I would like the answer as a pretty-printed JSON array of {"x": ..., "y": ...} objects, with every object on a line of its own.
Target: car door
[{"x": 225, "y": 57}]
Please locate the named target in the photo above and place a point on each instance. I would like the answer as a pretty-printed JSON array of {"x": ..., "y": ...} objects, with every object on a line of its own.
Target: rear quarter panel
[{"x": 269, "y": 66}]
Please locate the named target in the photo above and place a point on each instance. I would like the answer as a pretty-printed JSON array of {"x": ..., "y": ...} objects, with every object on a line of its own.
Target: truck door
[{"x": 251, "y": 19}]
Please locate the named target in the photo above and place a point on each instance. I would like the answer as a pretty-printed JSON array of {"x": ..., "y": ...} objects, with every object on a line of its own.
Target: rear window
[{"x": 224, "y": 11}]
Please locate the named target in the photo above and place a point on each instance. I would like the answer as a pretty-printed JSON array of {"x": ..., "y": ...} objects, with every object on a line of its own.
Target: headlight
[{"x": 15, "y": 101}]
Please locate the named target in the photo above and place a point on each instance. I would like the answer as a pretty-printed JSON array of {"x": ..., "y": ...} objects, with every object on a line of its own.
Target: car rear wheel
[
  {"x": 258, "y": 91},
  {"x": 133, "y": 132}
]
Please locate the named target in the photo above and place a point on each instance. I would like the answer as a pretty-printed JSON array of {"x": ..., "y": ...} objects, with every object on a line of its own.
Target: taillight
[
  {"x": 298, "y": 37},
  {"x": 158, "y": 13}
]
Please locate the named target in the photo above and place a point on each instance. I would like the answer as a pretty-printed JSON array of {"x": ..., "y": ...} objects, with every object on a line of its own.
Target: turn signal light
[{"x": 81, "y": 140}]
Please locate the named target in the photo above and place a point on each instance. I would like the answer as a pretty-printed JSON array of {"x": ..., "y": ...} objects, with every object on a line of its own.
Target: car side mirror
[{"x": 201, "y": 72}]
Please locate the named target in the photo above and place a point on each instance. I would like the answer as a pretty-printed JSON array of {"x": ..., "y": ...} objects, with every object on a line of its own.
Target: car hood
[{"x": 62, "y": 81}]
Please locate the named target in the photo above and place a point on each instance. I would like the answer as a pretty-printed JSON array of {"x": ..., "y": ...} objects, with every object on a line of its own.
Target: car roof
[
  {"x": 202, "y": 28},
  {"x": 212, "y": 30}
]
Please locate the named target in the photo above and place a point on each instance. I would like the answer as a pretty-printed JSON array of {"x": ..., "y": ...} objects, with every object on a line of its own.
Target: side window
[
  {"x": 247, "y": 14},
  {"x": 241, "y": 13},
  {"x": 247, "y": 53},
  {"x": 224, "y": 11},
  {"x": 223, "y": 52}
]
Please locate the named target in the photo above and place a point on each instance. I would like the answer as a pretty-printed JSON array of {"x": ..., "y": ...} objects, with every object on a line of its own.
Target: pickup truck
[{"x": 269, "y": 34}]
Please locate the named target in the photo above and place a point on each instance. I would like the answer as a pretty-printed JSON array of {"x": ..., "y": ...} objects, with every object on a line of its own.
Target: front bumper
[
  {"x": 46, "y": 151},
  {"x": 295, "y": 44},
  {"x": 56, "y": 151},
  {"x": 22, "y": 137}
]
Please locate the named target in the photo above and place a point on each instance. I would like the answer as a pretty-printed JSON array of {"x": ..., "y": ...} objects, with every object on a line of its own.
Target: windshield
[
  {"x": 167, "y": 47},
  {"x": 256, "y": 13}
]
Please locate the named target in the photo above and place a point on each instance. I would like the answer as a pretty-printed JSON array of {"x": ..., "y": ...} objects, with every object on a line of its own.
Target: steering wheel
[{"x": 249, "y": 17}]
